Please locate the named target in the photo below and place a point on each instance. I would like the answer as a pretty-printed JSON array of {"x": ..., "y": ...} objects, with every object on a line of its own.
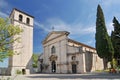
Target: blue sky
[{"x": 76, "y": 16}]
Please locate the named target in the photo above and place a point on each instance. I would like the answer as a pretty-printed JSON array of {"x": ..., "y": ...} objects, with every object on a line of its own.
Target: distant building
[
  {"x": 21, "y": 61},
  {"x": 64, "y": 55}
]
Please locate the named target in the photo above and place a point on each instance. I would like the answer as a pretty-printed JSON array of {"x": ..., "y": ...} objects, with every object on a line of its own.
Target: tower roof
[{"x": 15, "y": 9}]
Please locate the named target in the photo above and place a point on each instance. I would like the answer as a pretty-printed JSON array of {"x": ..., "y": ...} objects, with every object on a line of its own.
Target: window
[
  {"x": 80, "y": 49},
  {"x": 53, "y": 49},
  {"x": 28, "y": 20},
  {"x": 20, "y": 17},
  {"x": 73, "y": 57}
]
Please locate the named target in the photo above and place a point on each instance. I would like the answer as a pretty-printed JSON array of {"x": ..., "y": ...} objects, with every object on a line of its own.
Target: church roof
[
  {"x": 79, "y": 43},
  {"x": 69, "y": 40},
  {"x": 64, "y": 32}
]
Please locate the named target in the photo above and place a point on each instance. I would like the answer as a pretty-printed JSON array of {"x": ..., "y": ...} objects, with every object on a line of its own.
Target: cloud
[
  {"x": 4, "y": 15},
  {"x": 5, "y": 7},
  {"x": 90, "y": 42},
  {"x": 3, "y": 4},
  {"x": 77, "y": 30},
  {"x": 41, "y": 26},
  {"x": 109, "y": 27},
  {"x": 74, "y": 28},
  {"x": 109, "y": 3},
  {"x": 110, "y": 8}
]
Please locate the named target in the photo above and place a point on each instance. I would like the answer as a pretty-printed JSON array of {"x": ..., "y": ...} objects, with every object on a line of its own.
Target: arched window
[
  {"x": 53, "y": 49},
  {"x": 73, "y": 57},
  {"x": 20, "y": 17},
  {"x": 28, "y": 20}
]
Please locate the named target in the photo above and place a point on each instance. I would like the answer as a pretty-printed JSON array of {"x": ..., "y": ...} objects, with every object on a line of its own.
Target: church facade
[{"x": 64, "y": 55}]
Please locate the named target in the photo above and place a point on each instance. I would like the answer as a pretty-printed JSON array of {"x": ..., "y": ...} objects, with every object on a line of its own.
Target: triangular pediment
[{"x": 55, "y": 34}]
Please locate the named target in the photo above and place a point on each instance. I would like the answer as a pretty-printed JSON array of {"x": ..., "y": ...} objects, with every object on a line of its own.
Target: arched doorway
[
  {"x": 74, "y": 68},
  {"x": 53, "y": 65}
]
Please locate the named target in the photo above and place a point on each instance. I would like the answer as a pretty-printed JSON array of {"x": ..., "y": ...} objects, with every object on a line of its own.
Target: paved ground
[{"x": 97, "y": 76}]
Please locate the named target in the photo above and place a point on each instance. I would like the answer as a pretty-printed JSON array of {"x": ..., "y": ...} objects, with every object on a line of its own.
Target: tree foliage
[
  {"x": 115, "y": 36},
  {"x": 35, "y": 60},
  {"x": 7, "y": 33},
  {"x": 103, "y": 42}
]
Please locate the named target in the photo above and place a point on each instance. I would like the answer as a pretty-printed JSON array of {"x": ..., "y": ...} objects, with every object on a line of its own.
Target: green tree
[
  {"x": 115, "y": 36},
  {"x": 35, "y": 60},
  {"x": 103, "y": 42},
  {"x": 7, "y": 33}
]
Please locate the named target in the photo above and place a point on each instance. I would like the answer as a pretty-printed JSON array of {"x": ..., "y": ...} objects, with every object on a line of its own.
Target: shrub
[{"x": 18, "y": 72}]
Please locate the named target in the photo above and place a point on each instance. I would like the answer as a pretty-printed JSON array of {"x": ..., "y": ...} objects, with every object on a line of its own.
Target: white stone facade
[
  {"x": 24, "y": 49},
  {"x": 64, "y": 55}
]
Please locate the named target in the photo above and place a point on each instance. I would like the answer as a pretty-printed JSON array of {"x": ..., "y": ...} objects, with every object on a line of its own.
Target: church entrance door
[
  {"x": 74, "y": 69},
  {"x": 53, "y": 64}
]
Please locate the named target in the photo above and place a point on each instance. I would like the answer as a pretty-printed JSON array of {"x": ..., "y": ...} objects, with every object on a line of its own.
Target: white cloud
[
  {"x": 75, "y": 28},
  {"x": 109, "y": 27},
  {"x": 3, "y": 4},
  {"x": 4, "y": 8},
  {"x": 108, "y": 3},
  {"x": 41, "y": 26},
  {"x": 90, "y": 42},
  {"x": 3, "y": 15}
]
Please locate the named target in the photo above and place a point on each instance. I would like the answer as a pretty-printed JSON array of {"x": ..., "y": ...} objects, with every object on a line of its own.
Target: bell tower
[{"x": 23, "y": 50}]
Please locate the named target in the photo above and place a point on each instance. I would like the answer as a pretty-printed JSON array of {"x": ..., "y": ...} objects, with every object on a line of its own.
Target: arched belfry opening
[{"x": 20, "y": 17}]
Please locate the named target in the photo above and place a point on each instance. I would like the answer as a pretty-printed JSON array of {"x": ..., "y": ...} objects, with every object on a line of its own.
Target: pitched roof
[
  {"x": 21, "y": 12},
  {"x": 70, "y": 40},
  {"x": 56, "y": 32}
]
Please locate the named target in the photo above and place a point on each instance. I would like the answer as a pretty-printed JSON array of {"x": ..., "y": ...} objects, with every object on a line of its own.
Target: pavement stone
[{"x": 91, "y": 76}]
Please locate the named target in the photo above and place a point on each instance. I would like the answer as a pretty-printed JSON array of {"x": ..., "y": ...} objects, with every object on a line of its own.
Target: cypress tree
[
  {"x": 115, "y": 37},
  {"x": 103, "y": 42}
]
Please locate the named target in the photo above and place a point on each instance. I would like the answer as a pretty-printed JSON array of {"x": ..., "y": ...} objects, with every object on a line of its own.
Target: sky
[{"x": 75, "y": 16}]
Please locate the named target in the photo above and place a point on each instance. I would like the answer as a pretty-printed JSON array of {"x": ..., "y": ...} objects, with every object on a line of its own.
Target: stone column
[{"x": 84, "y": 63}]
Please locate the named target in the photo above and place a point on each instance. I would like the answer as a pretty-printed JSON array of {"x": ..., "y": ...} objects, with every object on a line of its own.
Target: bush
[
  {"x": 34, "y": 65},
  {"x": 18, "y": 72},
  {"x": 114, "y": 63}
]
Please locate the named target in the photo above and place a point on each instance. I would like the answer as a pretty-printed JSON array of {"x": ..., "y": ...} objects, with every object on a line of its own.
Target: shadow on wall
[
  {"x": 88, "y": 61},
  {"x": 3, "y": 71},
  {"x": 29, "y": 66}
]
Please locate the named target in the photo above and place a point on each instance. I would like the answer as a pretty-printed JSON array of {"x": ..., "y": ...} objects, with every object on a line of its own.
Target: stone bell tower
[{"x": 22, "y": 60}]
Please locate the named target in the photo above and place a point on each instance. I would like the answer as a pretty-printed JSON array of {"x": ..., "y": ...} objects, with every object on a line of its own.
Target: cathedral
[
  {"x": 60, "y": 53},
  {"x": 64, "y": 55}
]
